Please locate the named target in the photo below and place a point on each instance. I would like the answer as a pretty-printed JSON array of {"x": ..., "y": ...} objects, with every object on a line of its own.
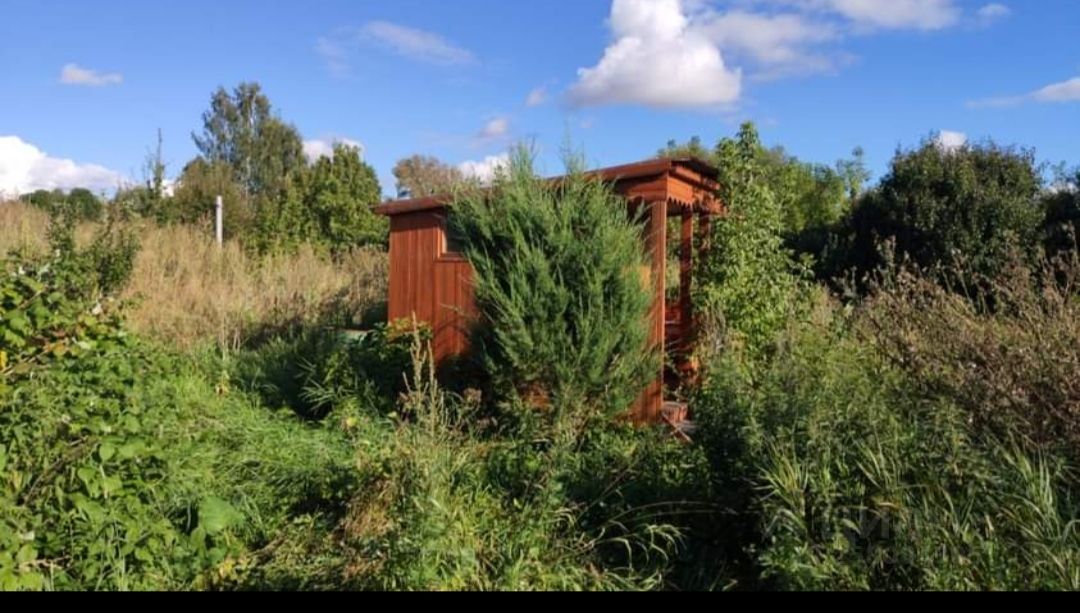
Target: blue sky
[{"x": 87, "y": 84}]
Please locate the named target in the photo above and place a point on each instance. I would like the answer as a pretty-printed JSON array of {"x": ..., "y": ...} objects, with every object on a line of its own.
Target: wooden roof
[{"x": 683, "y": 182}]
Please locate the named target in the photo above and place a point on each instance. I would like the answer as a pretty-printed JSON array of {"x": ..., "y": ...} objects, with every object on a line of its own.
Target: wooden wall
[{"x": 428, "y": 283}]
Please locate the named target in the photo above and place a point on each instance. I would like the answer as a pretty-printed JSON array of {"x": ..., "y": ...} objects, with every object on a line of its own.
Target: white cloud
[
  {"x": 536, "y": 97},
  {"x": 779, "y": 43},
  {"x": 484, "y": 170},
  {"x": 1065, "y": 91},
  {"x": 991, "y": 13},
  {"x": 73, "y": 74},
  {"x": 25, "y": 168},
  {"x": 317, "y": 148},
  {"x": 415, "y": 44},
  {"x": 659, "y": 58},
  {"x": 494, "y": 129},
  {"x": 948, "y": 140},
  {"x": 891, "y": 14},
  {"x": 694, "y": 53}
]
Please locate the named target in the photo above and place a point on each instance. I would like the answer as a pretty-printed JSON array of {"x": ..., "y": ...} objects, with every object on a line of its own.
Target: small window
[{"x": 452, "y": 243}]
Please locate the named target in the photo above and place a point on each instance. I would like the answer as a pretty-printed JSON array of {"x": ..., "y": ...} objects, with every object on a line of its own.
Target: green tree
[
  {"x": 196, "y": 190},
  {"x": 812, "y": 197},
  {"x": 1061, "y": 204},
  {"x": 241, "y": 131},
  {"x": 79, "y": 202},
  {"x": 750, "y": 281},
  {"x": 692, "y": 149},
  {"x": 422, "y": 175},
  {"x": 340, "y": 193},
  {"x": 84, "y": 204},
  {"x": 942, "y": 206}
]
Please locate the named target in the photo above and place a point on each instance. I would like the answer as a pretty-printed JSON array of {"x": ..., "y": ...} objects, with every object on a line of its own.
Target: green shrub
[
  {"x": 1013, "y": 369},
  {"x": 841, "y": 469},
  {"x": 749, "y": 282},
  {"x": 80, "y": 203},
  {"x": 943, "y": 207},
  {"x": 562, "y": 306},
  {"x": 1061, "y": 205},
  {"x": 368, "y": 368}
]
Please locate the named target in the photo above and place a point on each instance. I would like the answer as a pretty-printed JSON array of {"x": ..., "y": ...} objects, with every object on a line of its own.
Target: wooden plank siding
[{"x": 429, "y": 284}]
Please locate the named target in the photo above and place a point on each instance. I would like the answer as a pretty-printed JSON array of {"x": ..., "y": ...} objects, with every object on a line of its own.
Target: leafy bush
[
  {"x": 55, "y": 307},
  {"x": 101, "y": 269},
  {"x": 80, "y": 203},
  {"x": 750, "y": 281},
  {"x": 844, "y": 464},
  {"x": 559, "y": 290},
  {"x": 1013, "y": 369},
  {"x": 1061, "y": 203},
  {"x": 368, "y": 368},
  {"x": 944, "y": 207}
]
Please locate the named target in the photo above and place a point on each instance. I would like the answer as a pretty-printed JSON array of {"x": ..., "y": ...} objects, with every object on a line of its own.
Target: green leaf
[
  {"x": 86, "y": 475},
  {"x": 130, "y": 449},
  {"x": 27, "y": 553},
  {"x": 106, "y": 451},
  {"x": 19, "y": 323},
  {"x": 216, "y": 515}
]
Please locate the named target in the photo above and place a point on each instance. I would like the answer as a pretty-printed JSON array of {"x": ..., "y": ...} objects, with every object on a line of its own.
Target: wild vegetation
[{"x": 890, "y": 396}]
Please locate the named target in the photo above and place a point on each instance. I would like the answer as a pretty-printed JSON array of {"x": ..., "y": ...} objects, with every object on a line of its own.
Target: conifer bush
[{"x": 563, "y": 310}]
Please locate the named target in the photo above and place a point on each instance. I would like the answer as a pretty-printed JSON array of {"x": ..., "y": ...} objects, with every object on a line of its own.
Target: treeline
[
  {"x": 938, "y": 206},
  {"x": 274, "y": 197}
]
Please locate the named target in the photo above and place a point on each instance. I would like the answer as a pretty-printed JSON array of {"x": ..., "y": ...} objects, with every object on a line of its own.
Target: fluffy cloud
[
  {"x": 659, "y": 58},
  {"x": 415, "y": 44},
  {"x": 951, "y": 141},
  {"x": 25, "y": 168},
  {"x": 694, "y": 53},
  {"x": 317, "y": 148},
  {"x": 1065, "y": 91},
  {"x": 494, "y": 130},
  {"x": 73, "y": 74},
  {"x": 484, "y": 170},
  {"x": 781, "y": 44},
  {"x": 536, "y": 97}
]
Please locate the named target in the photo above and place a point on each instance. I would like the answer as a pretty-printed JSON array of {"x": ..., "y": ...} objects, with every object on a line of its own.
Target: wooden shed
[{"x": 432, "y": 282}]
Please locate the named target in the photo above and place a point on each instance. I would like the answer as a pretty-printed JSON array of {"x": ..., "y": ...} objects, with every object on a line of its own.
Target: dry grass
[
  {"x": 1015, "y": 368},
  {"x": 187, "y": 291},
  {"x": 22, "y": 227}
]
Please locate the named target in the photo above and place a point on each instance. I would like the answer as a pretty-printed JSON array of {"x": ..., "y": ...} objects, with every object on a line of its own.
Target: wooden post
[
  {"x": 219, "y": 230},
  {"x": 652, "y": 398},
  {"x": 686, "y": 267}
]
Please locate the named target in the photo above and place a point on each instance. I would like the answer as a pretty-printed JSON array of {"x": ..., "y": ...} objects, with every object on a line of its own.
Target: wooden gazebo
[{"x": 432, "y": 283}]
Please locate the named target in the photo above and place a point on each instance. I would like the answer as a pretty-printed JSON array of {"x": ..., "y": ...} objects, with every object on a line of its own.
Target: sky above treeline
[{"x": 87, "y": 85}]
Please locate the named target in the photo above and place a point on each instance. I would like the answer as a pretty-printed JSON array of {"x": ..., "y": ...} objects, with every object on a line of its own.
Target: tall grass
[
  {"x": 187, "y": 291},
  {"x": 914, "y": 441}
]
